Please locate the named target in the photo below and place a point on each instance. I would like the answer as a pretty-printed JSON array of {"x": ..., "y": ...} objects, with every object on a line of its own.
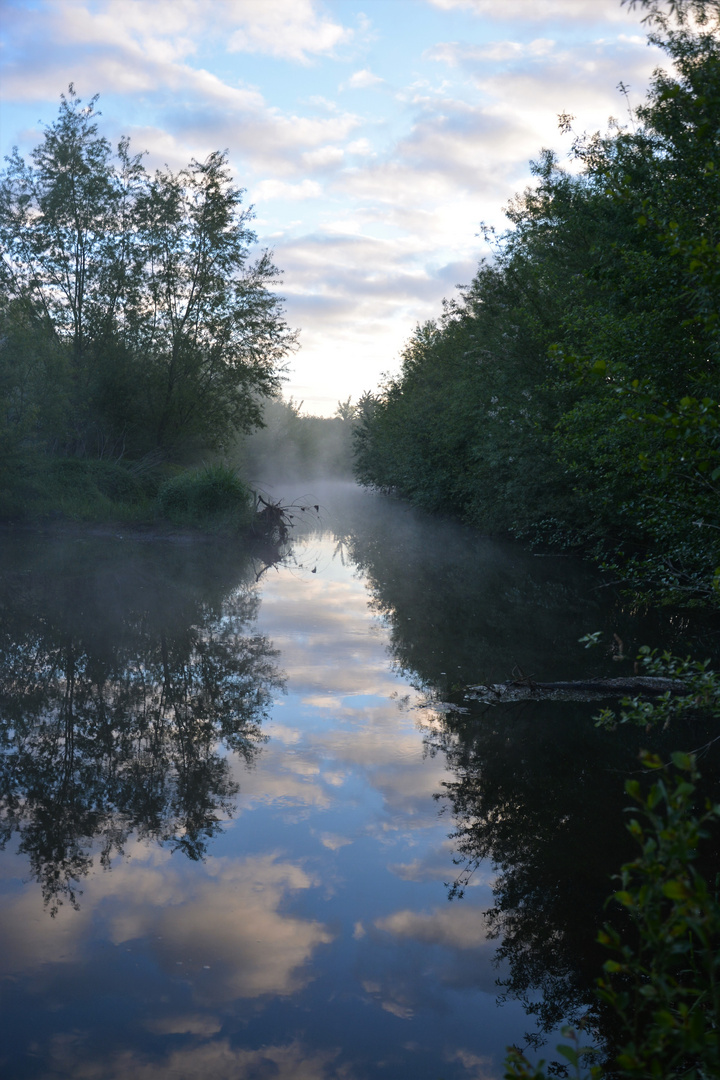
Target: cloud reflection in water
[{"x": 327, "y": 881}]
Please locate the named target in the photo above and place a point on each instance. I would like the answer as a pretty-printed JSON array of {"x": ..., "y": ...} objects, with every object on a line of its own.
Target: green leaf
[
  {"x": 675, "y": 890},
  {"x": 570, "y": 1053}
]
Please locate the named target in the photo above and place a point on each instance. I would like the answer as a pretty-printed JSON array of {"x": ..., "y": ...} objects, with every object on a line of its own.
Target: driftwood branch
[{"x": 579, "y": 690}]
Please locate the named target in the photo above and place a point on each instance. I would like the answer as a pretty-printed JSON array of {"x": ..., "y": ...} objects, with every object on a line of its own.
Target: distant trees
[
  {"x": 570, "y": 393},
  {"x": 295, "y": 446},
  {"x": 133, "y": 317}
]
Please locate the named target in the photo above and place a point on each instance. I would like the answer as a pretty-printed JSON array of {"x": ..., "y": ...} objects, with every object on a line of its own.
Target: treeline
[
  {"x": 136, "y": 327},
  {"x": 569, "y": 394},
  {"x": 296, "y": 446}
]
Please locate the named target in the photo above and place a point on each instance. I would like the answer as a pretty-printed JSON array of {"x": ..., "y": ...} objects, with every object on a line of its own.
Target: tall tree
[
  {"x": 209, "y": 331},
  {"x": 147, "y": 284}
]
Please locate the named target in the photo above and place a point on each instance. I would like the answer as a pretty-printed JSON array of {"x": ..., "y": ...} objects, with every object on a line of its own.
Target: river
[{"x": 242, "y": 835}]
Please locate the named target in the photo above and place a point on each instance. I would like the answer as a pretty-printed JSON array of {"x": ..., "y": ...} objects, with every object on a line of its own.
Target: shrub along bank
[{"x": 96, "y": 490}]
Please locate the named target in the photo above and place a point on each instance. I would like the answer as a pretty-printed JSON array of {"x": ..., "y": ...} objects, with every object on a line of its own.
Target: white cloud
[
  {"x": 128, "y": 47},
  {"x": 363, "y": 147},
  {"x": 397, "y": 1008},
  {"x": 454, "y": 54},
  {"x": 457, "y": 926},
  {"x": 339, "y": 668},
  {"x": 436, "y": 864},
  {"x": 184, "y": 1024},
  {"x": 539, "y": 10},
  {"x": 231, "y": 923},
  {"x": 386, "y": 206},
  {"x": 291, "y": 31},
  {"x": 278, "y": 189},
  {"x": 580, "y": 80},
  {"x": 140, "y": 55},
  {"x": 477, "y": 1066},
  {"x": 218, "y": 1059},
  {"x": 361, "y": 80},
  {"x": 282, "y": 148},
  {"x": 322, "y": 158},
  {"x": 222, "y": 929},
  {"x": 334, "y": 842},
  {"x": 162, "y": 34}
]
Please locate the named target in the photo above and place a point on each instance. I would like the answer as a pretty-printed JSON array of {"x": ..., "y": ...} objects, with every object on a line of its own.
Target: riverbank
[{"x": 145, "y": 499}]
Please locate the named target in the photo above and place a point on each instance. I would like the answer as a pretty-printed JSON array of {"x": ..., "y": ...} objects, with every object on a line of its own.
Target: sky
[{"x": 372, "y": 137}]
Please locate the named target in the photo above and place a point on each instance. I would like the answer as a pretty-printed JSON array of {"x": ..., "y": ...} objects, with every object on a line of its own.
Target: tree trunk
[{"x": 578, "y": 690}]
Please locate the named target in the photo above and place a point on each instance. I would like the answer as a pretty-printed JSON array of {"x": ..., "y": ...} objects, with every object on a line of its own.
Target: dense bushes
[
  {"x": 661, "y": 981},
  {"x": 570, "y": 393},
  {"x": 83, "y": 489},
  {"x": 35, "y": 486},
  {"x": 213, "y": 495}
]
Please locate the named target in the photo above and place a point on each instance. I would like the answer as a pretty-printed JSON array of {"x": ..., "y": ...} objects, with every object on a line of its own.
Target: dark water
[{"x": 233, "y": 811}]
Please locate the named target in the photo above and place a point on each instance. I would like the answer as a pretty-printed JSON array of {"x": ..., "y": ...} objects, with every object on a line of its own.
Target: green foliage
[
  {"x": 518, "y": 1067},
  {"x": 660, "y": 12},
  {"x": 85, "y": 489},
  {"x": 133, "y": 319},
  {"x": 205, "y": 316},
  {"x": 666, "y": 989},
  {"x": 214, "y": 495},
  {"x": 95, "y": 489},
  {"x": 697, "y": 693},
  {"x": 662, "y": 983},
  {"x": 570, "y": 393}
]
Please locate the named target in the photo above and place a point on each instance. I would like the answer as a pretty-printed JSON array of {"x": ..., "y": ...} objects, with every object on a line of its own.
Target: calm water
[{"x": 233, "y": 812}]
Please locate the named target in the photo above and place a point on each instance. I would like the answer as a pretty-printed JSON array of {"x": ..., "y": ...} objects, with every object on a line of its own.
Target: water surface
[{"x": 235, "y": 805}]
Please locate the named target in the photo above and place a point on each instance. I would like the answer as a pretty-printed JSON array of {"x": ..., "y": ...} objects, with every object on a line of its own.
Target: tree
[
  {"x": 570, "y": 394},
  {"x": 147, "y": 283},
  {"x": 205, "y": 323},
  {"x": 68, "y": 248}
]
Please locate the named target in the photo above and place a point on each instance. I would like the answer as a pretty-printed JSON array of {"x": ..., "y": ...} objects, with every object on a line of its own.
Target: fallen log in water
[{"x": 579, "y": 690}]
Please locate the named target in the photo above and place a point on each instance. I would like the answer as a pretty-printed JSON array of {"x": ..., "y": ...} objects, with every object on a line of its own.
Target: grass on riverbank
[{"x": 95, "y": 490}]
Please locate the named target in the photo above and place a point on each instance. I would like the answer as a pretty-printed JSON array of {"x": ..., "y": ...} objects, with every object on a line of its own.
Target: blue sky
[{"x": 372, "y": 136}]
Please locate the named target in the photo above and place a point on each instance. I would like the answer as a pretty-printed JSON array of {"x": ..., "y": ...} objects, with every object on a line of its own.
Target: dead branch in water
[{"x": 271, "y": 529}]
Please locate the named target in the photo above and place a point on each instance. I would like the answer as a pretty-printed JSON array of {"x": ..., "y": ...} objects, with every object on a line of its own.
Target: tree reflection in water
[
  {"x": 462, "y": 608},
  {"x": 537, "y": 792},
  {"x": 124, "y": 678}
]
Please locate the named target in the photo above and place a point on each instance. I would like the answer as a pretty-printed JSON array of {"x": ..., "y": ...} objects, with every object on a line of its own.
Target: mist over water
[
  {"x": 234, "y": 801},
  {"x": 294, "y": 448}
]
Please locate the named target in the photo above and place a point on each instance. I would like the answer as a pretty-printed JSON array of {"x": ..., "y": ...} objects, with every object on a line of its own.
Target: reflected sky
[{"x": 312, "y": 937}]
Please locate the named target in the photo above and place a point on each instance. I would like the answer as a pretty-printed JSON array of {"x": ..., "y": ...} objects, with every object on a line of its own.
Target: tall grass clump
[{"x": 213, "y": 495}]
